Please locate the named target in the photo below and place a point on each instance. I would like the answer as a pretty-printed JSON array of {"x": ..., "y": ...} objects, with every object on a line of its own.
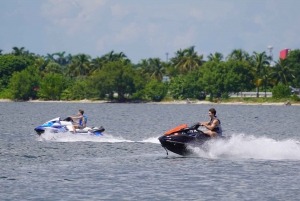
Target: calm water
[{"x": 260, "y": 162}]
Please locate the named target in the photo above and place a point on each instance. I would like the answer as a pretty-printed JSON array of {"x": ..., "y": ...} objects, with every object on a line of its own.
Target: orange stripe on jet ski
[{"x": 178, "y": 128}]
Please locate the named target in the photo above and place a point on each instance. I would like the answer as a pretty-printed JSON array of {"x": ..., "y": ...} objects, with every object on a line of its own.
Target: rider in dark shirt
[{"x": 214, "y": 125}]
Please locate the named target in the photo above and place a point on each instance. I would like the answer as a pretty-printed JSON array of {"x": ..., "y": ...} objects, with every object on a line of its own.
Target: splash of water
[
  {"x": 250, "y": 147},
  {"x": 67, "y": 137},
  {"x": 151, "y": 140}
]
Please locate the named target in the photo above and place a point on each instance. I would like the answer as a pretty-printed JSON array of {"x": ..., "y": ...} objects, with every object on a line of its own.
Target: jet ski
[
  {"x": 179, "y": 139},
  {"x": 57, "y": 125}
]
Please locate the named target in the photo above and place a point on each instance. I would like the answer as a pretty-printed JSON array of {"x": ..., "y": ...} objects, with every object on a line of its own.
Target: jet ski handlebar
[
  {"x": 68, "y": 119},
  {"x": 195, "y": 126}
]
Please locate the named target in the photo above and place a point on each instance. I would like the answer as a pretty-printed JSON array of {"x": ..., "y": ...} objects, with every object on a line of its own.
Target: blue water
[{"x": 260, "y": 162}]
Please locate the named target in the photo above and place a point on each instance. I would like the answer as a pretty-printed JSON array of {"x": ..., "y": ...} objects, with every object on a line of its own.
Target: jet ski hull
[
  {"x": 181, "y": 142},
  {"x": 182, "y": 138}
]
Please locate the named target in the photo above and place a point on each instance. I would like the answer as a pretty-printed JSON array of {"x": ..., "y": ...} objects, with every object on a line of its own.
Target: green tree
[
  {"x": 24, "y": 85},
  {"x": 221, "y": 79},
  {"x": 188, "y": 86},
  {"x": 176, "y": 87},
  {"x": 156, "y": 90},
  {"x": 41, "y": 63},
  {"x": 152, "y": 67},
  {"x": 51, "y": 87},
  {"x": 117, "y": 77},
  {"x": 143, "y": 66},
  {"x": 187, "y": 60},
  {"x": 239, "y": 55},
  {"x": 79, "y": 90},
  {"x": 53, "y": 67},
  {"x": 266, "y": 77},
  {"x": 156, "y": 70},
  {"x": 218, "y": 57},
  {"x": 50, "y": 57},
  {"x": 61, "y": 59},
  {"x": 292, "y": 61},
  {"x": 96, "y": 65},
  {"x": 80, "y": 65},
  {"x": 18, "y": 51},
  {"x": 282, "y": 72},
  {"x": 281, "y": 91},
  {"x": 10, "y": 64},
  {"x": 261, "y": 60},
  {"x": 111, "y": 56}
]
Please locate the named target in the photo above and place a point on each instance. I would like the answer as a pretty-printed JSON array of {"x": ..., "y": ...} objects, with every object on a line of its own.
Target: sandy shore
[
  {"x": 221, "y": 103},
  {"x": 166, "y": 102}
]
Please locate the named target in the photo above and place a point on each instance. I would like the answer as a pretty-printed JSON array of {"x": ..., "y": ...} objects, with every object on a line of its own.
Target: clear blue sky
[{"x": 149, "y": 28}]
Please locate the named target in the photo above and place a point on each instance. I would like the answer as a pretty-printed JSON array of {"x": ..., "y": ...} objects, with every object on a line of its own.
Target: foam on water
[
  {"x": 250, "y": 147},
  {"x": 67, "y": 137},
  {"x": 151, "y": 140}
]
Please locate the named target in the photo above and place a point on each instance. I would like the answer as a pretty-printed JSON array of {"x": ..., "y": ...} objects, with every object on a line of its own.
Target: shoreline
[{"x": 178, "y": 102}]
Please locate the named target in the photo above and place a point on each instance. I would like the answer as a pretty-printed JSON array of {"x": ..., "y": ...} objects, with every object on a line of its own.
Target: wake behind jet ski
[
  {"x": 57, "y": 125},
  {"x": 179, "y": 139}
]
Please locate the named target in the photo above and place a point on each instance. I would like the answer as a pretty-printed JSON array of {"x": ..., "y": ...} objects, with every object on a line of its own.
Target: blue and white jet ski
[{"x": 57, "y": 125}]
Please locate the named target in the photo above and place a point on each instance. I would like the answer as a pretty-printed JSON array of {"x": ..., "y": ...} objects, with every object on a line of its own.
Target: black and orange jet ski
[{"x": 180, "y": 138}]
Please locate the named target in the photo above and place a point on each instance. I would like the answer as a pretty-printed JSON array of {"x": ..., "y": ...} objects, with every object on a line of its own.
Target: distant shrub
[
  {"x": 281, "y": 91},
  {"x": 294, "y": 97},
  {"x": 5, "y": 94}
]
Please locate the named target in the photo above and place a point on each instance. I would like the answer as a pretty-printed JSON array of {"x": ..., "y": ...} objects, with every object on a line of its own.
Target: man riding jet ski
[
  {"x": 57, "y": 125},
  {"x": 179, "y": 138}
]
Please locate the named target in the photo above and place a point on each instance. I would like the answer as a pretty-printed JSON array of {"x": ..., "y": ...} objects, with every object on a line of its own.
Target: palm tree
[
  {"x": 143, "y": 66},
  {"x": 152, "y": 67},
  {"x": 261, "y": 60},
  {"x": 157, "y": 70},
  {"x": 265, "y": 77},
  {"x": 50, "y": 57},
  {"x": 282, "y": 72},
  {"x": 96, "y": 65},
  {"x": 111, "y": 56},
  {"x": 178, "y": 59},
  {"x": 187, "y": 60},
  {"x": 69, "y": 58},
  {"x": 61, "y": 60},
  {"x": 218, "y": 57},
  {"x": 18, "y": 51},
  {"x": 192, "y": 60},
  {"x": 239, "y": 54},
  {"x": 80, "y": 65}
]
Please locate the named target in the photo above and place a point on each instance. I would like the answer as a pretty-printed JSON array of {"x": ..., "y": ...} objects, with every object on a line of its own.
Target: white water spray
[
  {"x": 66, "y": 137},
  {"x": 250, "y": 147},
  {"x": 151, "y": 140}
]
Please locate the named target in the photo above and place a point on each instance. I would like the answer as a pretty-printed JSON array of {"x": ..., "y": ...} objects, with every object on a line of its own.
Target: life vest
[
  {"x": 81, "y": 122},
  {"x": 218, "y": 128}
]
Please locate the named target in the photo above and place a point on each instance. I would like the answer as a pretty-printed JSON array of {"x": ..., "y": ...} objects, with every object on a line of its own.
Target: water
[{"x": 260, "y": 162}]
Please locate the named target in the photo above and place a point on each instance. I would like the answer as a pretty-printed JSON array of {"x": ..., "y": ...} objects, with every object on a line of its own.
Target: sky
[{"x": 145, "y": 29}]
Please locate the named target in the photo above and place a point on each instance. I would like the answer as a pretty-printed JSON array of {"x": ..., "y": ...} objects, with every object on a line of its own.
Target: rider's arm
[
  {"x": 77, "y": 117},
  {"x": 212, "y": 126},
  {"x": 203, "y": 123},
  {"x": 74, "y": 117}
]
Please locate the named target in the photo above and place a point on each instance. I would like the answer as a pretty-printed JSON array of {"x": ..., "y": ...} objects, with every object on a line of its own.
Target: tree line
[{"x": 59, "y": 76}]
